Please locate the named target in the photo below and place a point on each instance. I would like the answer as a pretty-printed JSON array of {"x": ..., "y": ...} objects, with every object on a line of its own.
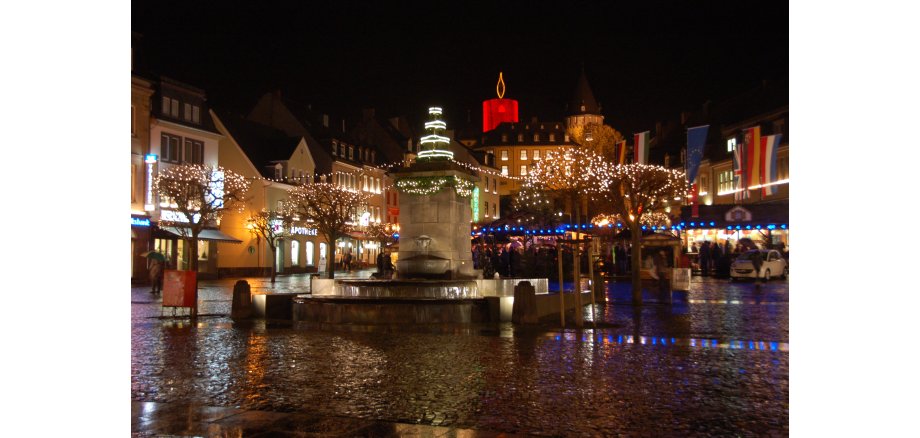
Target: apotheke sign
[{"x": 303, "y": 231}]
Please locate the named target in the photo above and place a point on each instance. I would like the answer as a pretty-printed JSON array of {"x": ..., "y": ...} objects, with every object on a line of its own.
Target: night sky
[{"x": 645, "y": 61}]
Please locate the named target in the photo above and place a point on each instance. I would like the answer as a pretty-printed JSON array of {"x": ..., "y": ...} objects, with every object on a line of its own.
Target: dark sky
[{"x": 645, "y": 61}]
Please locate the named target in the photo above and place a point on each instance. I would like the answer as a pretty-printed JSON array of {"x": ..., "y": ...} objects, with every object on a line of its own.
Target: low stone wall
[{"x": 374, "y": 311}]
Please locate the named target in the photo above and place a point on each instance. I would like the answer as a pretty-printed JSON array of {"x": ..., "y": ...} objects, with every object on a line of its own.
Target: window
[
  {"x": 170, "y": 107},
  {"x": 536, "y": 138},
  {"x": 342, "y": 151},
  {"x": 169, "y": 148},
  {"x": 567, "y": 138},
  {"x": 133, "y": 121},
  {"x": 196, "y": 116},
  {"x": 505, "y": 170},
  {"x": 194, "y": 151},
  {"x": 523, "y": 154},
  {"x": 351, "y": 152},
  {"x": 309, "y": 246},
  {"x": 730, "y": 146},
  {"x": 725, "y": 181},
  {"x": 133, "y": 181},
  {"x": 520, "y": 138},
  {"x": 295, "y": 253},
  {"x": 487, "y": 184},
  {"x": 187, "y": 113},
  {"x": 504, "y": 155},
  {"x": 523, "y": 170},
  {"x": 322, "y": 251},
  {"x": 278, "y": 171},
  {"x": 494, "y": 211},
  {"x": 552, "y": 137},
  {"x": 536, "y": 154},
  {"x": 494, "y": 186},
  {"x": 487, "y": 208},
  {"x": 504, "y": 138},
  {"x": 704, "y": 183}
]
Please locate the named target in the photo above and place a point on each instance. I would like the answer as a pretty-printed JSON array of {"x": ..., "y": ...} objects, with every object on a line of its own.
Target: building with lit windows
[
  {"x": 141, "y": 205},
  {"x": 275, "y": 163},
  {"x": 339, "y": 159},
  {"x": 182, "y": 131}
]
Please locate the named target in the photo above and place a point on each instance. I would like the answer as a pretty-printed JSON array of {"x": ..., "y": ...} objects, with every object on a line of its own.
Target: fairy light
[
  {"x": 200, "y": 193},
  {"x": 434, "y": 140}
]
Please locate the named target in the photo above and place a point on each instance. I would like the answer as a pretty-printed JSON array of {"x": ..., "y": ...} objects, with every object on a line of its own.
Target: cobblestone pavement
[{"x": 714, "y": 363}]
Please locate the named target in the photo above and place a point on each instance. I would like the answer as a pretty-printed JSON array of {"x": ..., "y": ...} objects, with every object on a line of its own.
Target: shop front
[
  {"x": 766, "y": 225},
  {"x": 140, "y": 243},
  {"x": 170, "y": 242}
]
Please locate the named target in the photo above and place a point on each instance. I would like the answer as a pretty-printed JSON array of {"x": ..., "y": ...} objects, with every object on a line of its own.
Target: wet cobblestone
[{"x": 714, "y": 363}]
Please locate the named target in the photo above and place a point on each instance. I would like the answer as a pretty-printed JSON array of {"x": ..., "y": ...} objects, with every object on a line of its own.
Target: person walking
[
  {"x": 156, "y": 276},
  {"x": 660, "y": 259},
  {"x": 757, "y": 261},
  {"x": 716, "y": 254},
  {"x": 704, "y": 258}
]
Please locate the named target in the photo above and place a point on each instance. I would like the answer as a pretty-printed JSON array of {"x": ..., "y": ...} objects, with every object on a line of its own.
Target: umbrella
[{"x": 154, "y": 255}]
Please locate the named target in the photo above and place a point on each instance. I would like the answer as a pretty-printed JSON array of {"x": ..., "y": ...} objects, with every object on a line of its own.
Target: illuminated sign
[
  {"x": 175, "y": 216},
  {"x": 304, "y": 231},
  {"x": 138, "y": 222},
  {"x": 151, "y": 160}
]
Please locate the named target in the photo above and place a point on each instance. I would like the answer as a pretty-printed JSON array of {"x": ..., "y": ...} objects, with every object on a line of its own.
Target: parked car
[{"x": 773, "y": 265}]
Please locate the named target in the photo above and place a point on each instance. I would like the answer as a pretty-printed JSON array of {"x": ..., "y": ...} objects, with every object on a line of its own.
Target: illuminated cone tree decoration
[
  {"x": 434, "y": 146},
  {"x": 200, "y": 194},
  {"x": 333, "y": 210},
  {"x": 637, "y": 194}
]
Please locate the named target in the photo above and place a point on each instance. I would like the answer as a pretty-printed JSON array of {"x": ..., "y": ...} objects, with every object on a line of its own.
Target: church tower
[{"x": 583, "y": 109}]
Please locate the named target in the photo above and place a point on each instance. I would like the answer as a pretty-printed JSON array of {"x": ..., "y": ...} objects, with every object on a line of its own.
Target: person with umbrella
[{"x": 155, "y": 262}]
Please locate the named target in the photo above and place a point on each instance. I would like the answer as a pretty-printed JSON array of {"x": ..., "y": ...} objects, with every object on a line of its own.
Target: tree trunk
[
  {"x": 579, "y": 320},
  {"x": 636, "y": 260},
  {"x": 330, "y": 261},
  {"x": 274, "y": 258}
]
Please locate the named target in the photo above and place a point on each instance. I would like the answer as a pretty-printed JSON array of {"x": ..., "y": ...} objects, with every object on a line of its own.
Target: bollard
[
  {"x": 524, "y": 310},
  {"x": 242, "y": 301}
]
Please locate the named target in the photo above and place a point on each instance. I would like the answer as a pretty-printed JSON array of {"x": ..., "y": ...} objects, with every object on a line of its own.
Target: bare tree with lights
[
  {"x": 637, "y": 194},
  {"x": 568, "y": 177},
  {"x": 333, "y": 210},
  {"x": 271, "y": 225},
  {"x": 200, "y": 194},
  {"x": 382, "y": 233}
]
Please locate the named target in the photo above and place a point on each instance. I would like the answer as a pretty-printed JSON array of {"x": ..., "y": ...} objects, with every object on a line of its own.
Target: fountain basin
[{"x": 392, "y": 310}]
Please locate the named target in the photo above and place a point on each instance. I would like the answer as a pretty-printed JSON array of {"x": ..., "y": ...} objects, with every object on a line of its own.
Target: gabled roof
[{"x": 263, "y": 145}]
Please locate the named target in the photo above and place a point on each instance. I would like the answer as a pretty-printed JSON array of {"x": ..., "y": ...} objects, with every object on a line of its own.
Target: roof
[
  {"x": 527, "y": 129},
  {"x": 583, "y": 96},
  {"x": 263, "y": 145}
]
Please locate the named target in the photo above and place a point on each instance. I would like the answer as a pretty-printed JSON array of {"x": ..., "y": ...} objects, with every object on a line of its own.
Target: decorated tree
[
  {"x": 271, "y": 225},
  {"x": 637, "y": 194},
  {"x": 333, "y": 210},
  {"x": 200, "y": 194},
  {"x": 599, "y": 138},
  {"x": 568, "y": 177},
  {"x": 382, "y": 233}
]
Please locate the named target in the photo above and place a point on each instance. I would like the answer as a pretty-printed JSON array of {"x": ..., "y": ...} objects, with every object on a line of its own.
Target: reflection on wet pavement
[{"x": 695, "y": 367}]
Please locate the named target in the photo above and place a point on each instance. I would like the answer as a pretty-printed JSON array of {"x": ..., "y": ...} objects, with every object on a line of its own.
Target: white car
[{"x": 774, "y": 265}]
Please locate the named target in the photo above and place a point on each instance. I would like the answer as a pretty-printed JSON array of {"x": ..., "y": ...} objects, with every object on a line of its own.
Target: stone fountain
[{"x": 435, "y": 279}]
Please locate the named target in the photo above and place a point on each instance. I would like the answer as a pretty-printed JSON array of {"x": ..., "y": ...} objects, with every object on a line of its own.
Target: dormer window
[
  {"x": 170, "y": 107},
  {"x": 520, "y": 138},
  {"x": 552, "y": 138},
  {"x": 335, "y": 147},
  {"x": 279, "y": 171},
  {"x": 351, "y": 152},
  {"x": 536, "y": 138},
  {"x": 504, "y": 138}
]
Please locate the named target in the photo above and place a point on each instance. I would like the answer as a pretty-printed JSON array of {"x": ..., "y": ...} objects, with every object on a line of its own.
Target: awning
[{"x": 214, "y": 235}]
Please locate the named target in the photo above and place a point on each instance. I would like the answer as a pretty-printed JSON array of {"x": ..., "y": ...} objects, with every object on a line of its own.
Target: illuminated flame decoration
[{"x": 500, "y": 86}]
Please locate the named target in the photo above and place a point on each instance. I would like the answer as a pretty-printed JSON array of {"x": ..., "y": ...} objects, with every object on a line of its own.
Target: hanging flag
[
  {"x": 770, "y": 145},
  {"x": 753, "y": 158},
  {"x": 696, "y": 139},
  {"x": 738, "y": 168},
  {"x": 640, "y": 148},
  {"x": 619, "y": 152}
]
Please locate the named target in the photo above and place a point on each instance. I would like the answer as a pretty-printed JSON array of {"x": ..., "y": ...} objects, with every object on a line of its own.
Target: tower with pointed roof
[{"x": 583, "y": 109}]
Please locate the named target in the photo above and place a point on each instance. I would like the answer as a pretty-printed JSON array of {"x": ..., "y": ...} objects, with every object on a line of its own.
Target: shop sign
[
  {"x": 175, "y": 216},
  {"x": 738, "y": 214},
  {"x": 138, "y": 222},
  {"x": 303, "y": 231}
]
